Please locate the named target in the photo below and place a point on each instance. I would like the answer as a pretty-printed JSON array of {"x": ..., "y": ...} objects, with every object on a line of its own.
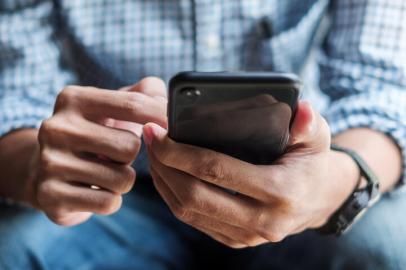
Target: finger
[
  {"x": 151, "y": 86},
  {"x": 81, "y": 135},
  {"x": 117, "y": 178},
  {"x": 193, "y": 195},
  {"x": 208, "y": 165},
  {"x": 309, "y": 129},
  {"x": 201, "y": 221},
  {"x": 69, "y": 219},
  {"x": 58, "y": 198},
  {"x": 96, "y": 104},
  {"x": 229, "y": 232},
  {"x": 125, "y": 125}
]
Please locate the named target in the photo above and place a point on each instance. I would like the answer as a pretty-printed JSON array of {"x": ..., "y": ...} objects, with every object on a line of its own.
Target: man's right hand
[{"x": 83, "y": 162}]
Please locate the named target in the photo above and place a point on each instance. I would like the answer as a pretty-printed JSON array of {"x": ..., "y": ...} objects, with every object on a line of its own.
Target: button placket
[{"x": 208, "y": 16}]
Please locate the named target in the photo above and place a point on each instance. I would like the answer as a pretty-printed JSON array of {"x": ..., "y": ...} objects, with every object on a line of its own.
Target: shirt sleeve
[
  {"x": 363, "y": 68},
  {"x": 31, "y": 70}
]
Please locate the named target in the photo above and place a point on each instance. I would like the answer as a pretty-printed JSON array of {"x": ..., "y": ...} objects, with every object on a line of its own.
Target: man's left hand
[{"x": 299, "y": 191}]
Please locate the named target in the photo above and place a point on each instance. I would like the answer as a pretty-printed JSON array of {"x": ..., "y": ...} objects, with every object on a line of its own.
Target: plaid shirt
[{"x": 360, "y": 60}]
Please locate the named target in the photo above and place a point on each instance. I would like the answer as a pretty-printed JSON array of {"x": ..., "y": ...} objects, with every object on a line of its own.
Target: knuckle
[
  {"x": 67, "y": 96},
  {"x": 49, "y": 165},
  {"x": 56, "y": 131},
  {"x": 46, "y": 125},
  {"x": 66, "y": 219},
  {"x": 263, "y": 224},
  {"x": 272, "y": 231},
  {"x": 46, "y": 161},
  {"x": 45, "y": 131},
  {"x": 183, "y": 214},
  {"x": 48, "y": 196},
  {"x": 135, "y": 102},
  {"x": 128, "y": 179},
  {"x": 253, "y": 241},
  {"x": 45, "y": 189},
  {"x": 57, "y": 218},
  {"x": 109, "y": 205},
  {"x": 211, "y": 169},
  {"x": 275, "y": 237},
  {"x": 130, "y": 147}
]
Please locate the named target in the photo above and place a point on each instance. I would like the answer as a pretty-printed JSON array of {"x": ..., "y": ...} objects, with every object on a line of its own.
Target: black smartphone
[{"x": 246, "y": 115}]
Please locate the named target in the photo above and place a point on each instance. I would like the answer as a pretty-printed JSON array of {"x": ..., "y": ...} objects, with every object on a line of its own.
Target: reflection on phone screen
[{"x": 254, "y": 129}]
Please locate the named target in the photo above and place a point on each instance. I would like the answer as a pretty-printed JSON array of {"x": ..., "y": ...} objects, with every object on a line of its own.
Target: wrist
[
  {"x": 18, "y": 159},
  {"x": 346, "y": 176},
  {"x": 359, "y": 200}
]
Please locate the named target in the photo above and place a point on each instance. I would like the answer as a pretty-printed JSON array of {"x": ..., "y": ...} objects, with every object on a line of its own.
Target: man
[{"x": 74, "y": 164}]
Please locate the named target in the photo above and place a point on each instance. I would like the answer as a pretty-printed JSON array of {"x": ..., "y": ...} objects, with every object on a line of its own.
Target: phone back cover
[{"x": 250, "y": 122}]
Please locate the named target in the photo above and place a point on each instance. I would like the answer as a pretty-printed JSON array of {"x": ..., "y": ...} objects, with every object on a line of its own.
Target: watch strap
[{"x": 358, "y": 202}]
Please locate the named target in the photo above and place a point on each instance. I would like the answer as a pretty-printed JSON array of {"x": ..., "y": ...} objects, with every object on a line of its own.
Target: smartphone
[{"x": 246, "y": 115}]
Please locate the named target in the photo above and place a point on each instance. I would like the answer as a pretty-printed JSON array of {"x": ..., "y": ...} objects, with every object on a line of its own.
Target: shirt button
[{"x": 213, "y": 41}]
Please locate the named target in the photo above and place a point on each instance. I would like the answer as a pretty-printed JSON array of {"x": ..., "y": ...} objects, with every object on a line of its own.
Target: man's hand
[
  {"x": 301, "y": 190},
  {"x": 83, "y": 163}
]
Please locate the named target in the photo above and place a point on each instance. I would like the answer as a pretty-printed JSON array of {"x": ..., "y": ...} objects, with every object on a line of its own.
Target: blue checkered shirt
[{"x": 351, "y": 54}]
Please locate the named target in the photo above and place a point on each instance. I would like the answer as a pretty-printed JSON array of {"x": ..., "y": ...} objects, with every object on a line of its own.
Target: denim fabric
[{"x": 145, "y": 235}]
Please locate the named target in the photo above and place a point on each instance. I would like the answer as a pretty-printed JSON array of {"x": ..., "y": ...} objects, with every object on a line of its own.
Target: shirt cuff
[
  {"x": 359, "y": 111},
  {"x": 18, "y": 112}
]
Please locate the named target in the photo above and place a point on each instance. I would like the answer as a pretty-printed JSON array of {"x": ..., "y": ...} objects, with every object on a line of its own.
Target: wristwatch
[{"x": 358, "y": 202}]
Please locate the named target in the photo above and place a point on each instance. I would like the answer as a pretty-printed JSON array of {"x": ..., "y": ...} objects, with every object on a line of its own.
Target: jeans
[{"x": 145, "y": 235}]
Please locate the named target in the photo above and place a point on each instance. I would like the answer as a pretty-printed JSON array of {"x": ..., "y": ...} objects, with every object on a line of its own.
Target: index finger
[
  {"x": 96, "y": 104},
  {"x": 151, "y": 86},
  {"x": 210, "y": 166}
]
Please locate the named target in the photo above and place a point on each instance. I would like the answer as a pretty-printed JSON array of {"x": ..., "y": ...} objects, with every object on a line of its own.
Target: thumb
[
  {"x": 153, "y": 132},
  {"x": 309, "y": 129}
]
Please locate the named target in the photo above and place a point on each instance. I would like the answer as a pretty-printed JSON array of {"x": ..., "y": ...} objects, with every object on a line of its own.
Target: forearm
[
  {"x": 378, "y": 150},
  {"x": 16, "y": 152}
]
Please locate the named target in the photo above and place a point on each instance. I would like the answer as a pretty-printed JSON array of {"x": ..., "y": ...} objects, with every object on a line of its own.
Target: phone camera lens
[{"x": 191, "y": 93}]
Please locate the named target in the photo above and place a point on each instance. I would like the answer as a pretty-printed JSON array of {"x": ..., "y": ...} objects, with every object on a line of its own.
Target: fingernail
[{"x": 148, "y": 135}]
